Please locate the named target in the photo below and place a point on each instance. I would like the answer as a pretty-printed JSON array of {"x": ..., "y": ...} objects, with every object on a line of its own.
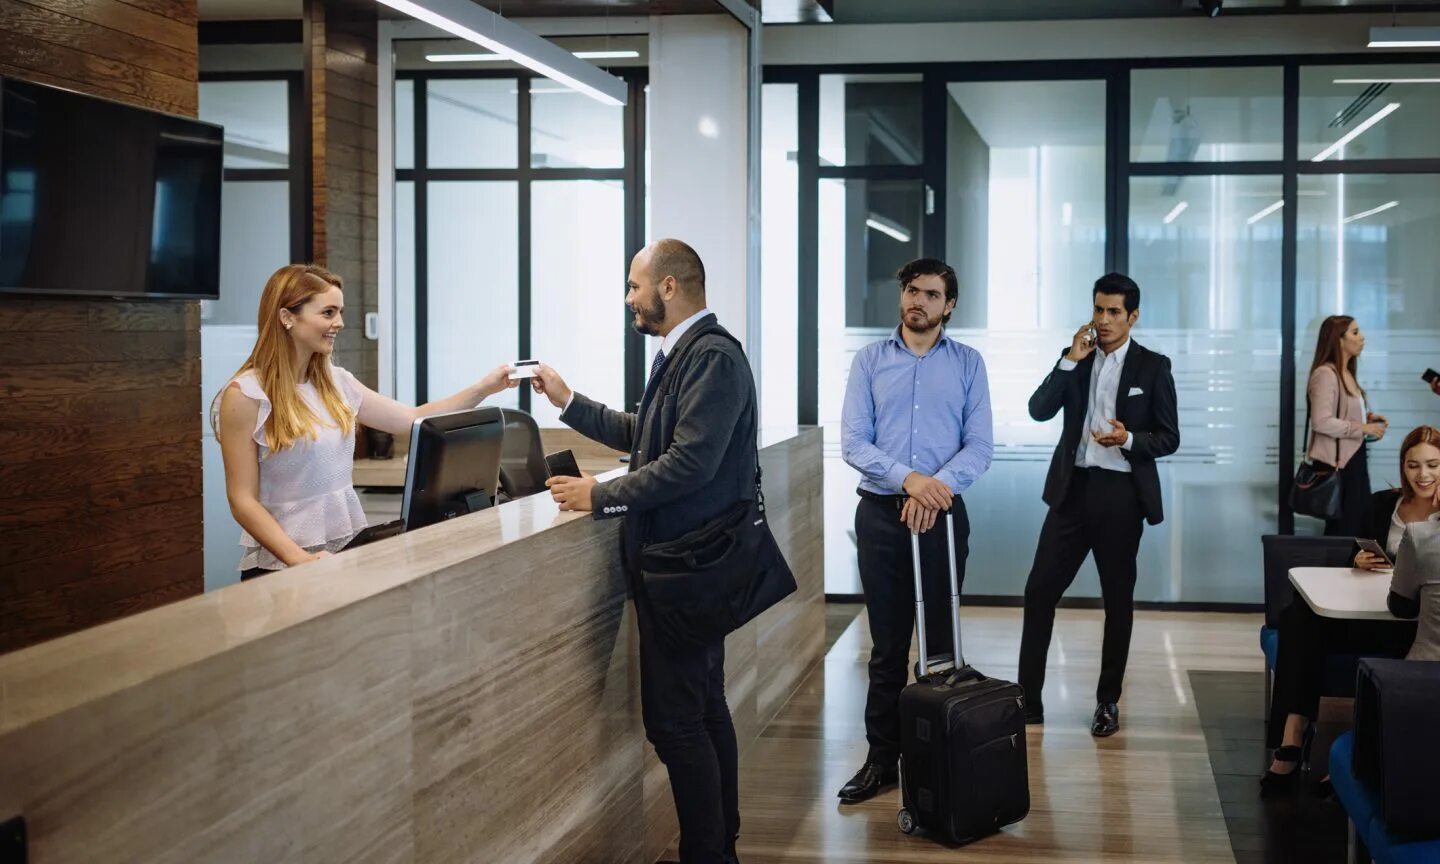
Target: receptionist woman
[{"x": 286, "y": 425}]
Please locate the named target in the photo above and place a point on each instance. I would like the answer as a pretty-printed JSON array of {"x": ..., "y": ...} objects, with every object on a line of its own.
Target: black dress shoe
[
  {"x": 868, "y": 781},
  {"x": 1107, "y": 720}
]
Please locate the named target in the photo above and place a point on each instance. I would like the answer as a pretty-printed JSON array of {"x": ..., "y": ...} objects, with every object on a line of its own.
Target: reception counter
[{"x": 465, "y": 692}]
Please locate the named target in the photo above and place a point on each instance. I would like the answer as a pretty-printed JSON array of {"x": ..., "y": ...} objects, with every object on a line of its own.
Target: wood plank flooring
[{"x": 1144, "y": 795}]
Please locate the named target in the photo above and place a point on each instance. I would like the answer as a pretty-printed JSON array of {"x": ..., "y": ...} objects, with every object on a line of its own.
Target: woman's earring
[{"x": 288, "y": 326}]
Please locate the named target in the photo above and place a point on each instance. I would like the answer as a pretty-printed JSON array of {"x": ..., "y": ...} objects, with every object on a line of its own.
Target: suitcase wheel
[{"x": 906, "y": 821}]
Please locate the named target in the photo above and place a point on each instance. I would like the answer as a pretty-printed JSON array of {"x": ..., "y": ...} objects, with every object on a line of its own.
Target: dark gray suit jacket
[{"x": 691, "y": 445}]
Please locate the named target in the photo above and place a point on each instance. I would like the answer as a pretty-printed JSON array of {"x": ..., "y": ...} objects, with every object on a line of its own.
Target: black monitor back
[{"x": 454, "y": 465}]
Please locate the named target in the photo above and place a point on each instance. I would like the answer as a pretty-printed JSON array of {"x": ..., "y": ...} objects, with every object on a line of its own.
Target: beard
[
  {"x": 915, "y": 327},
  {"x": 649, "y": 317}
]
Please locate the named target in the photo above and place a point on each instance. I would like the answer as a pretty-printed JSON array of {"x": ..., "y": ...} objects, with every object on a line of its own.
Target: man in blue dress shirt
[{"x": 916, "y": 425}]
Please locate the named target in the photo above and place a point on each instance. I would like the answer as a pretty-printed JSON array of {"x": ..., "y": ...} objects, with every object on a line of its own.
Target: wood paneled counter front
[{"x": 465, "y": 692}]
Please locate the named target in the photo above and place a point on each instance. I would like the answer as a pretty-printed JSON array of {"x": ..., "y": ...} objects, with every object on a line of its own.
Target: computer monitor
[{"x": 454, "y": 465}]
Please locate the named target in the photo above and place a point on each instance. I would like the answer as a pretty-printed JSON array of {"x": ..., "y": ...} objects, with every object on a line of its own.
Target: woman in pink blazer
[{"x": 1340, "y": 420}]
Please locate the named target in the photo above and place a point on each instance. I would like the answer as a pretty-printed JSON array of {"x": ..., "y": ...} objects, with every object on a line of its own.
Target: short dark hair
[
  {"x": 931, "y": 267},
  {"x": 1119, "y": 283},
  {"x": 670, "y": 257}
]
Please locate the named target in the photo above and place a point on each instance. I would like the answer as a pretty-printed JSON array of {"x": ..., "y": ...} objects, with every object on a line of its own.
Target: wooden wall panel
[
  {"x": 345, "y": 166},
  {"x": 100, "y": 477}
]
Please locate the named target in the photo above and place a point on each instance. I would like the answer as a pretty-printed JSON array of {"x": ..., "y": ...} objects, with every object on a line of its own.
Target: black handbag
[
  {"x": 1316, "y": 491},
  {"x": 715, "y": 579}
]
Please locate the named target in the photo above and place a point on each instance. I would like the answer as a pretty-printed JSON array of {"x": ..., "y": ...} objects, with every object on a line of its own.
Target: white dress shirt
[
  {"x": 666, "y": 345},
  {"x": 673, "y": 337},
  {"x": 1104, "y": 387}
]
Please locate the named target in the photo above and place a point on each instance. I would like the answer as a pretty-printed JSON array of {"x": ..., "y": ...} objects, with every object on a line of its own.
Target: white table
[{"x": 1344, "y": 592}]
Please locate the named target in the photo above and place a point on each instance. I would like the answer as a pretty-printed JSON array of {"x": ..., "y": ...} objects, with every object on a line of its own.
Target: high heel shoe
[{"x": 1274, "y": 783}]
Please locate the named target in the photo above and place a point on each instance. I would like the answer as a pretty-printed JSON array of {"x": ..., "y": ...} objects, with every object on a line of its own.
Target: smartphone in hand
[
  {"x": 562, "y": 464},
  {"x": 1374, "y": 549},
  {"x": 1429, "y": 376}
]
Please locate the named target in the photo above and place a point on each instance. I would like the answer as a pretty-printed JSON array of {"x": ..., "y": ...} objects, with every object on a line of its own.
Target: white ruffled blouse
[{"x": 308, "y": 487}]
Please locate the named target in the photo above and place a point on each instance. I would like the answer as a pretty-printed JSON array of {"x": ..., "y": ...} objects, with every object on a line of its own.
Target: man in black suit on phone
[{"x": 1120, "y": 416}]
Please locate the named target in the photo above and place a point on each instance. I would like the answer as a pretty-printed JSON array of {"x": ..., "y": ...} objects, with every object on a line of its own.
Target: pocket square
[{"x": 1136, "y": 391}]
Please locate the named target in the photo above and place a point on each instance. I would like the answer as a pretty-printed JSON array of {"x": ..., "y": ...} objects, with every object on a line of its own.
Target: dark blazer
[
  {"x": 692, "y": 443},
  {"x": 1150, "y": 416},
  {"x": 1378, "y": 513}
]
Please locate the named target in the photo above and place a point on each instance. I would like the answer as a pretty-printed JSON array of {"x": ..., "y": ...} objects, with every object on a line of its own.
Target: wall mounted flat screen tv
[{"x": 103, "y": 199}]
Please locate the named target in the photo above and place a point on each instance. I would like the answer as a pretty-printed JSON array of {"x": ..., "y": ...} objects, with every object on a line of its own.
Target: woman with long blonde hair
[
  {"x": 1341, "y": 421},
  {"x": 286, "y": 425}
]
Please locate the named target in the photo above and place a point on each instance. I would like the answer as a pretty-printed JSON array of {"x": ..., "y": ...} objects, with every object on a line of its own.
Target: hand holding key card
[{"x": 524, "y": 369}]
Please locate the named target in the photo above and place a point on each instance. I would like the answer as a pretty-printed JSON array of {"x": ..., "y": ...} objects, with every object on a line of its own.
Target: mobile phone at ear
[
  {"x": 1429, "y": 376},
  {"x": 562, "y": 464}
]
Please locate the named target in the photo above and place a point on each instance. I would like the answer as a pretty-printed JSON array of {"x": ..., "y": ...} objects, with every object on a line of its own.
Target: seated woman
[
  {"x": 1306, "y": 638},
  {"x": 286, "y": 425},
  {"x": 1415, "y": 589}
]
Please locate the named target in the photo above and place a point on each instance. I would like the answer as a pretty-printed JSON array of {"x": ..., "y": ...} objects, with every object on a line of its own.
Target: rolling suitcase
[{"x": 963, "y": 771}]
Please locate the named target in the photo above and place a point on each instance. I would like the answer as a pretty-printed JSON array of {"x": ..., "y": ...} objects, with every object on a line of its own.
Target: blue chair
[
  {"x": 1283, "y": 552},
  {"x": 1363, "y": 808}
]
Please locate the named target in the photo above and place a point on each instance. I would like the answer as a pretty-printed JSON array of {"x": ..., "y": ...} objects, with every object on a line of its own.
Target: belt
[{"x": 895, "y": 500}]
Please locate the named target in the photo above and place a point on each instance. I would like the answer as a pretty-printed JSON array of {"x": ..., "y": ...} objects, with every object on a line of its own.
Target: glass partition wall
[
  {"x": 1248, "y": 197},
  {"x": 518, "y": 206}
]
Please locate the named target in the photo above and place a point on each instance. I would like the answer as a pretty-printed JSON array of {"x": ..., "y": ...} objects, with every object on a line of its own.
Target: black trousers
[
  {"x": 887, "y": 575},
  {"x": 1306, "y": 638},
  {"x": 1354, "y": 496},
  {"x": 1100, "y": 515},
  {"x": 682, "y": 699}
]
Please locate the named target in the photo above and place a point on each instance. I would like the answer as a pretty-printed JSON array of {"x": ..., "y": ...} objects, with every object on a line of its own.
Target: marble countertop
[{"x": 62, "y": 674}]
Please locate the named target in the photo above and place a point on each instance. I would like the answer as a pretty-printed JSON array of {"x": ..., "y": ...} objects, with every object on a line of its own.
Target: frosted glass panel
[
  {"x": 256, "y": 117},
  {"x": 472, "y": 123},
  {"x": 1025, "y": 232},
  {"x": 405, "y": 124},
  {"x": 1394, "y": 108},
  {"x": 472, "y": 290},
  {"x": 1367, "y": 248},
  {"x": 254, "y": 243},
  {"x": 578, "y": 271},
  {"x": 570, "y": 130},
  {"x": 405, "y": 292},
  {"x": 1209, "y": 272},
  {"x": 779, "y": 265},
  {"x": 870, "y": 120},
  {"x": 1206, "y": 115}
]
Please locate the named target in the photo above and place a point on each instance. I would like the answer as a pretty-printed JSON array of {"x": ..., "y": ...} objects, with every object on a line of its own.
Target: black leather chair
[
  {"x": 522, "y": 456},
  {"x": 1282, "y": 552}
]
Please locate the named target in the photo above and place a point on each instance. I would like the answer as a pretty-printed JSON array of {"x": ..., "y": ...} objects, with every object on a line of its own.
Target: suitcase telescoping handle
[{"x": 959, "y": 659}]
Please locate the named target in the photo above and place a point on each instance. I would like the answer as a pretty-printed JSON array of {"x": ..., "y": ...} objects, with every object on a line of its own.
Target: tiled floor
[{"x": 1263, "y": 831}]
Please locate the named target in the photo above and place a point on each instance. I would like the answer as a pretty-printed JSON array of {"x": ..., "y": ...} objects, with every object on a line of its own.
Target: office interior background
[
  {"x": 1027, "y": 161},
  {"x": 1254, "y": 172}
]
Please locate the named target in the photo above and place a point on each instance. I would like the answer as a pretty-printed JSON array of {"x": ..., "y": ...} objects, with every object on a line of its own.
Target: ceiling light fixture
[
  {"x": 474, "y": 23},
  {"x": 497, "y": 58},
  {"x": 1266, "y": 212},
  {"x": 1387, "y": 80},
  {"x": 889, "y": 227},
  {"x": 1372, "y": 211},
  {"x": 1404, "y": 37},
  {"x": 1179, "y": 208},
  {"x": 1356, "y": 132}
]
